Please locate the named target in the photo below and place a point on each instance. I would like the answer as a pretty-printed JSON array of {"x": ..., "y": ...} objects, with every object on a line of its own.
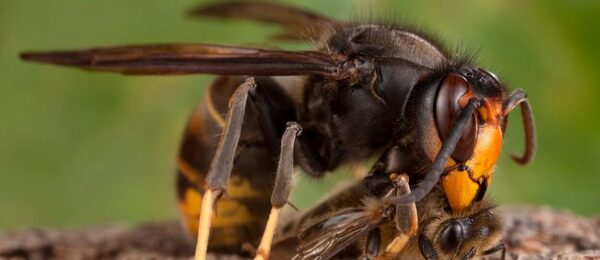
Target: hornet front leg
[{"x": 406, "y": 219}]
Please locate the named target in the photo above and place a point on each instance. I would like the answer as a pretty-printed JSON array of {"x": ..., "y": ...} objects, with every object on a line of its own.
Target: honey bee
[{"x": 354, "y": 224}]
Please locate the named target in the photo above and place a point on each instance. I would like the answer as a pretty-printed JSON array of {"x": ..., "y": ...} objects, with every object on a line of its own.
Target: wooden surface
[{"x": 531, "y": 233}]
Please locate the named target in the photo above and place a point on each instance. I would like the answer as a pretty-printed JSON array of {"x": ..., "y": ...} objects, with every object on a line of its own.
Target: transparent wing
[
  {"x": 326, "y": 238},
  {"x": 299, "y": 24}
]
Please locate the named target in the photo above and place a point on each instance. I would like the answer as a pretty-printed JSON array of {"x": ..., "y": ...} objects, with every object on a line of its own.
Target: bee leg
[
  {"x": 373, "y": 244},
  {"x": 222, "y": 163},
  {"x": 427, "y": 250},
  {"x": 500, "y": 247},
  {"x": 282, "y": 188},
  {"x": 405, "y": 218}
]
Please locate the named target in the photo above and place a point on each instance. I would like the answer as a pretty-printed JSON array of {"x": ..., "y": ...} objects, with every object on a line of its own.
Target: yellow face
[{"x": 462, "y": 186}]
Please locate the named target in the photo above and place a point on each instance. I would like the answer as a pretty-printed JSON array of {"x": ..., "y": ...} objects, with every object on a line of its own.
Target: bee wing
[
  {"x": 191, "y": 59},
  {"x": 299, "y": 24},
  {"x": 327, "y": 237}
]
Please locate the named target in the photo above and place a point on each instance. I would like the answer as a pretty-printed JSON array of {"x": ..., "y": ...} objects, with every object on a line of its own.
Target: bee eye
[
  {"x": 452, "y": 236},
  {"x": 451, "y": 98}
]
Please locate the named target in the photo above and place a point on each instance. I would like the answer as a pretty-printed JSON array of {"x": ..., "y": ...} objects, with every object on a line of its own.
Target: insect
[
  {"x": 370, "y": 89},
  {"x": 342, "y": 227}
]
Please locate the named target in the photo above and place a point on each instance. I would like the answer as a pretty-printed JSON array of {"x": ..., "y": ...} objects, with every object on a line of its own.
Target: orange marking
[
  {"x": 190, "y": 173},
  {"x": 459, "y": 187},
  {"x": 190, "y": 206},
  {"x": 239, "y": 187},
  {"x": 194, "y": 124},
  {"x": 230, "y": 214},
  {"x": 214, "y": 113}
]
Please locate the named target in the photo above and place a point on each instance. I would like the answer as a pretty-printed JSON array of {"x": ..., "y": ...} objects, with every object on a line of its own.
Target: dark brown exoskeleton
[{"x": 370, "y": 90}]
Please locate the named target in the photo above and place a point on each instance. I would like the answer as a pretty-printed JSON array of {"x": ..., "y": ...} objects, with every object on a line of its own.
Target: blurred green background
[{"x": 80, "y": 148}]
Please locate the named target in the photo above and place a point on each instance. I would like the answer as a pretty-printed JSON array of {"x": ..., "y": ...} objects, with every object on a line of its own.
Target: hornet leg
[
  {"x": 281, "y": 191},
  {"x": 222, "y": 163}
]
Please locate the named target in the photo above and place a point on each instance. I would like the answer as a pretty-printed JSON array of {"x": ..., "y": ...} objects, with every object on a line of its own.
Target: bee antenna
[
  {"x": 437, "y": 168},
  {"x": 519, "y": 97}
]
